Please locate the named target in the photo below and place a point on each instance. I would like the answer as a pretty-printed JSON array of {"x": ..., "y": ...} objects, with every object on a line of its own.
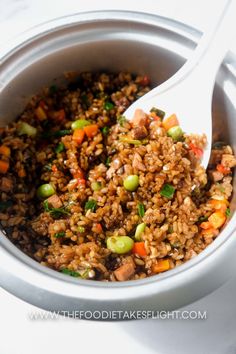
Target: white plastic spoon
[{"x": 189, "y": 92}]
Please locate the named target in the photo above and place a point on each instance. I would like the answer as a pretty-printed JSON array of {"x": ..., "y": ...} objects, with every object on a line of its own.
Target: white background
[{"x": 18, "y": 334}]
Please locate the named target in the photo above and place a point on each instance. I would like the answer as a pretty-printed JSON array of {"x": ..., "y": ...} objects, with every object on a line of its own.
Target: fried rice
[{"x": 123, "y": 199}]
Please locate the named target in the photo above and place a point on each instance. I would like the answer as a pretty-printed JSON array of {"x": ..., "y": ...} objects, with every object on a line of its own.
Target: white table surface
[{"x": 19, "y": 334}]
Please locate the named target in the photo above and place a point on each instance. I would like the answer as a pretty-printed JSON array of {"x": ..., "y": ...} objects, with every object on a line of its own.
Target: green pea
[
  {"x": 96, "y": 186},
  {"x": 139, "y": 230},
  {"x": 45, "y": 191},
  {"x": 131, "y": 183},
  {"x": 120, "y": 244},
  {"x": 176, "y": 133},
  {"x": 79, "y": 124}
]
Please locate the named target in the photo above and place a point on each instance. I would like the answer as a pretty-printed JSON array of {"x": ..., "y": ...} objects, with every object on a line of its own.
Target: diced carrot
[
  {"x": 98, "y": 228},
  {"x": 170, "y": 122},
  {"x": 211, "y": 231},
  {"x": 161, "y": 266},
  {"x": 205, "y": 225},
  {"x": 4, "y": 166},
  {"x": 78, "y": 173},
  {"x": 5, "y": 150},
  {"x": 217, "y": 219},
  {"x": 91, "y": 130},
  {"x": 78, "y": 136},
  {"x": 139, "y": 248},
  {"x": 59, "y": 115},
  {"x": 219, "y": 204},
  {"x": 198, "y": 152},
  {"x": 223, "y": 169},
  {"x": 40, "y": 113},
  {"x": 21, "y": 172},
  {"x": 54, "y": 168},
  {"x": 81, "y": 181}
]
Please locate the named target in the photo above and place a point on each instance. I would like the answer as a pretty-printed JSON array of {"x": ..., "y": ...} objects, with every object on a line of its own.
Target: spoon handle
[{"x": 206, "y": 58}]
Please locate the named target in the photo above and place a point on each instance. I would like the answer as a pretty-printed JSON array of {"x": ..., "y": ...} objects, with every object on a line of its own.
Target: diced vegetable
[
  {"x": 105, "y": 130},
  {"x": 139, "y": 230},
  {"x": 141, "y": 210},
  {"x": 205, "y": 225},
  {"x": 26, "y": 129},
  {"x": 45, "y": 191},
  {"x": 81, "y": 229},
  {"x": 170, "y": 122},
  {"x": 96, "y": 186},
  {"x": 218, "y": 145},
  {"x": 218, "y": 204},
  {"x": 228, "y": 212},
  {"x": 4, "y": 166},
  {"x": 60, "y": 133},
  {"x": 128, "y": 140},
  {"x": 108, "y": 106},
  {"x": 80, "y": 124},
  {"x": 78, "y": 136},
  {"x": 78, "y": 173},
  {"x": 121, "y": 120},
  {"x": 90, "y": 205},
  {"x": 198, "y": 152},
  {"x": 59, "y": 148},
  {"x": 81, "y": 181},
  {"x": 161, "y": 266},
  {"x": 59, "y": 234},
  {"x": 72, "y": 273},
  {"x": 56, "y": 213},
  {"x": 5, "y": 150},
  {"x": 223, "y": 169},
  {"x": 176, "y": 133},
  {"x": 120, "y": 244},
  {"x": 211, "y": 231},
  {"x": 139, "y": 248},
  {"x": 158, "y": 112},
  {"x": 91, "y": 130},
  {"x": 108, "y": 161},
  {"x": 99, "y": 228},
  {"x": 40, "y": 113},
  {"x": 54, "y": 168},
  {"x": 131, "y": 183},
  {"x": 217, "y": 219},
  {"x": 167, "y": 191}
]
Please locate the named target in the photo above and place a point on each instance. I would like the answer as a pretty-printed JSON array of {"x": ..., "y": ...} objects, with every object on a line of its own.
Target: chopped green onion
[
  {"x": 59, "y": 148},
  {"x": 96, "y": 186},
  {"x": 91, "y": 205},
  {"x": 105, "y": 130},
  {"x": 59, "y": 234},
  {"x": 158, "y": 112},
  {"x": 80, "y": 124},
  {"x": 47, "y": 167},
  {"x": 218, "y": 145},
  {"x": 108, "y": 106},
  {"x": 139, "y": 230},
  {"x": 131, "y": 183},
  {"x": 72, "y": 273},
  {"x": 26, "y": 129},
  {"x": 56, "y": 134},
  {"x": 5, "y": 205},
  {"x": 56, "y": 213},
  {"x": 108, "y": 161},
  {"x": 141, "y": 210},
  {"x": 133, "y": 141},
  {"x": 167, "y": 191},
  {"x": 203, "y": 218},
  {"x": 120, "y": 244},
  {"x": 228, "y": 212},
  {"x": 176, "y": 133},
  {"x": 45, "y": 191},
  {"x": 81, "y": 229},
  {"x": 85, "y": 100},
  {"x": 121, "y": 120}
]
